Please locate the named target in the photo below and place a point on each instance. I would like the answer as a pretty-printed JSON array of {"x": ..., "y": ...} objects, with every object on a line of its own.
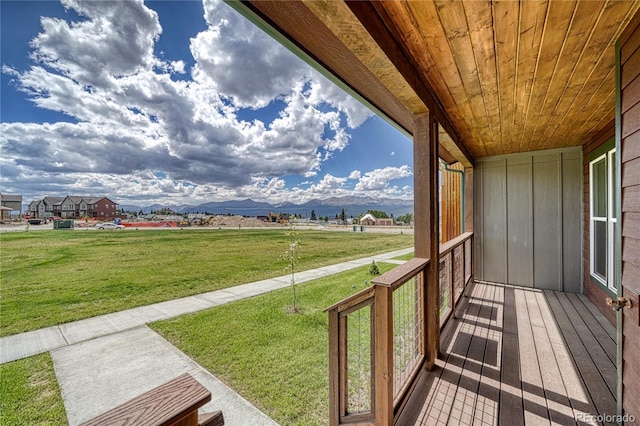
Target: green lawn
[
  {"x": 30, "y": 393},
  {"x": 407, "y": 256},
  {"x": 52, "y": 277},
  {"x": 275, "y": 359}
]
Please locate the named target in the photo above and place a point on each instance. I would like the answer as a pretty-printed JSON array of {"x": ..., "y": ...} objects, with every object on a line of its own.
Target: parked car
[{"x": 109, "y": 226}]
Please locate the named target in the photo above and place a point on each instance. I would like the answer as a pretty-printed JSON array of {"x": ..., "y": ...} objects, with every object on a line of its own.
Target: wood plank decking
[{"x": 519, "y": 356}]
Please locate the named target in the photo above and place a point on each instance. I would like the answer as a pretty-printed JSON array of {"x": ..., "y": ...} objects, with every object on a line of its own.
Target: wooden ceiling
[{"x": 501, "y": 76}]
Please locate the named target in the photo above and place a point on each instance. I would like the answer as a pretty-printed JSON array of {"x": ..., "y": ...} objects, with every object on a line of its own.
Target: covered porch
[
  {"x": 536, "y": 105},
  {"x": 516, "y": 355}
]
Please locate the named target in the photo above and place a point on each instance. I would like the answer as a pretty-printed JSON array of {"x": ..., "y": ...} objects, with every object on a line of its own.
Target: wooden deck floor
[{"x": 519, "y": 356}]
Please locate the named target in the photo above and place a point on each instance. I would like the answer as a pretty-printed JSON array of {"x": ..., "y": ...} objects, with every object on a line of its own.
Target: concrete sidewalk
[
  {"x": 103, "y": 361},
  {"x": 98, "y": 375}
]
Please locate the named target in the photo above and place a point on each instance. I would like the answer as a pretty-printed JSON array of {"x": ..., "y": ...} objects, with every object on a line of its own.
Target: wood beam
[
  {"x": 375, "y": 19},
  {"x": 426, "y": 222}
]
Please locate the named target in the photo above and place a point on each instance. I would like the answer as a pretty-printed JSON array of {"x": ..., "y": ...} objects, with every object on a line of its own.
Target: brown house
[
  {"x": 74, "y": 207},
  {"x": 537, "y": 103}
]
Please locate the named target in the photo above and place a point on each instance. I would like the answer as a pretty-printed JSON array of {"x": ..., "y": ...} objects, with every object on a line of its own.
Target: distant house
[
  {"x": 74, "y": 207},
  {"x": 368, "y": 220},
  {"x": 47, "y": 206},
  {"x": 5, "y": 213},
  {"x": 166, "y": 211},
  {"x": 13, "y": 202}
]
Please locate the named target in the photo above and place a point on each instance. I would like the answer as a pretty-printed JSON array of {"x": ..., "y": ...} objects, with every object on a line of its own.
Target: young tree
[
  {"x": 343, "y": 216},
  {"x": 291, "y": 257},
  {"x": 313, "y": 215}
]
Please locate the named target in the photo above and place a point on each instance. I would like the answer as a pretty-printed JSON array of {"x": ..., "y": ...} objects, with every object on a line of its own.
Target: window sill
[{"x": 603, "y": 286}]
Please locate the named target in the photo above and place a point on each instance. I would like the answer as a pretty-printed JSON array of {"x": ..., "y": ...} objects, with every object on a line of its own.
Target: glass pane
[
  {"x": 599, "y": 196},
  {"x": 612, "y": 165},
  {"x": 600, "y": 249}
]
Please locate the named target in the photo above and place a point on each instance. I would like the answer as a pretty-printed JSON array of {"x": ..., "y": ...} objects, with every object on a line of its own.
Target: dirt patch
[{"x": 221, "y": 221}]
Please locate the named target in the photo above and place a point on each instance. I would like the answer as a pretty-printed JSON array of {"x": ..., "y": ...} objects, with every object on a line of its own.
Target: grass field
[
  {"x": 407, "y": 256},
  {"x": 275, "y": 359},
  {"x": 30, "y": 393},
  {"x": 52, "y": 277}
]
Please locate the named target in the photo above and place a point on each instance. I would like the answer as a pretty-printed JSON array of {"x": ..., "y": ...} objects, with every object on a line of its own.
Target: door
[{"x": 628, "y": 207}]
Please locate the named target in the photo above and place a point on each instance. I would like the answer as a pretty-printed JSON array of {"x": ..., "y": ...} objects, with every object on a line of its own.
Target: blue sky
[{"x": 178, "y": 103}]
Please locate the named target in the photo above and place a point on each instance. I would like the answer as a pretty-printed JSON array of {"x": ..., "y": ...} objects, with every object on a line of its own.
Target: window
[{"x": 602, "y": 179}]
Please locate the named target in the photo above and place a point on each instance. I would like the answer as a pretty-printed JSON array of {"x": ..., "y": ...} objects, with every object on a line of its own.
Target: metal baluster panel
[
  {"x": 467, "y": 260},
  {"x": 445, "y": 286},
  {"x": 359, "y": 361},
  {"x": 458, "y": 271},
  {"x": 408, "y": 332}
]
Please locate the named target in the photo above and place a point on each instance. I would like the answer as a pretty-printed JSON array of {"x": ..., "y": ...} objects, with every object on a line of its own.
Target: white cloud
[
  {"x": 132, "y": 119},
  {"x": 326, "y": 91},
  {"x": 242, "y": 62},
  {"x": 178, "y": 67},
  {"x": 379, "y": 179},
  {"x": 328, "y": 182},
  {"x": 117, "y": 38}
]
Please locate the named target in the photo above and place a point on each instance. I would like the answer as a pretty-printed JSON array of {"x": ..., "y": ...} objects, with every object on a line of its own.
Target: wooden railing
[
  {"x": 455, "y": 272},
  {"x": 174, "y": 403},
  {"x": 376, "y": 343},
  {"x": 377, "y": 337}
]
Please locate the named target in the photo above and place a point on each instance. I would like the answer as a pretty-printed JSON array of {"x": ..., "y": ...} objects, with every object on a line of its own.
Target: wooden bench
[{"x": 174, "y": 403}]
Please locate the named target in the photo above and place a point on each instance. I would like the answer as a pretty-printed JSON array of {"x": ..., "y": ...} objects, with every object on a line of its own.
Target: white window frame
[{"x": 609, "y": 219}]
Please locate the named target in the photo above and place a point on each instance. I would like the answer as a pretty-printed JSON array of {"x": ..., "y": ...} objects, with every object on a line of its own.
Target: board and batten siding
[
  {"x": 528, "y": 222},
  {"x": 629, "y": 143}
]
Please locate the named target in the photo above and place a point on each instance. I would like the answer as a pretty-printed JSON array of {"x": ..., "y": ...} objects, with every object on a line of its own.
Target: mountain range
[{"x": 353, "y": 206}]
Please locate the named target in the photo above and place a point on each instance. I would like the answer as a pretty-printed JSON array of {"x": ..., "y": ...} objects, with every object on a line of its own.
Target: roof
[
  {"x": 368, "y": 216},
  {"x": 53, "y": 200},
  {"x": 11, "y": 198},
  {"x": 76, "y": 199},
  {"x": 499, "y": 76}
]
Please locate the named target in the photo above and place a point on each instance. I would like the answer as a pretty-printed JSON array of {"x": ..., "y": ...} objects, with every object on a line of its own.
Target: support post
[
  {"x": 426, "y": 220},
  {"x": 468, "y": 199},
  {"x": 383, "y": 357}
]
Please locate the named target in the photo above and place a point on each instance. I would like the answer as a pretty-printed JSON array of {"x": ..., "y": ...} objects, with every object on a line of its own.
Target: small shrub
[{"x": 373, "y": 269}]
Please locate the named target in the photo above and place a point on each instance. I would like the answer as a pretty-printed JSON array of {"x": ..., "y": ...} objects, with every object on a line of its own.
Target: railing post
[
  {"x": 334, "y": 368},
  {"x": 383, "y": 358}
]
